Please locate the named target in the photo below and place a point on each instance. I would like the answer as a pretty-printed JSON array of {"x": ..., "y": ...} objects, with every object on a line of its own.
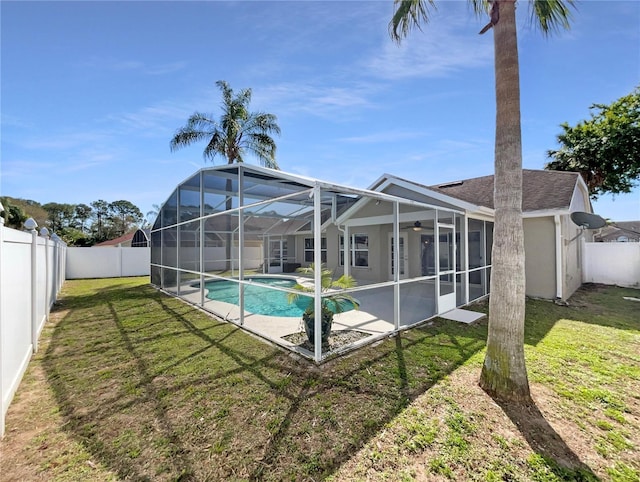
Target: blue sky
[{"x": 92, "y": 92}]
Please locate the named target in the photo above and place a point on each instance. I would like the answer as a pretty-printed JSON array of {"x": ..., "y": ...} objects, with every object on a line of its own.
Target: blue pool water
[{"x": 260, "y": 299}]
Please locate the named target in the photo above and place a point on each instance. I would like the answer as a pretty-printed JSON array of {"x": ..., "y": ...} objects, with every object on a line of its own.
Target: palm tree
[
  {"x": 152, "y": 214},
  {"x": 237, "y": 132},
  {"x": 504, "y": 373},
  {"x": 331, "y": 304}
]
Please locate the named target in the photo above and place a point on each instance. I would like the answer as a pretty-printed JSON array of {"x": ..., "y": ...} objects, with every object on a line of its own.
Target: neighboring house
[
  {"x": 620, "y": 232},
  {"x": 136, "y": 239}
]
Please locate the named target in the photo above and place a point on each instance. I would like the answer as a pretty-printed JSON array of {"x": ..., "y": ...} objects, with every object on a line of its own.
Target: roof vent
[{"x": 451, "y": 184}]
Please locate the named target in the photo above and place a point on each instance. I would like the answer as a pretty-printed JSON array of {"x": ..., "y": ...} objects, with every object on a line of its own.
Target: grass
[{"x": 130, "y": 384}]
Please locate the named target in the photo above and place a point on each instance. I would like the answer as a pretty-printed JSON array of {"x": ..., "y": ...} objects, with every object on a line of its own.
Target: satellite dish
[{"x": 588, "y": 220}]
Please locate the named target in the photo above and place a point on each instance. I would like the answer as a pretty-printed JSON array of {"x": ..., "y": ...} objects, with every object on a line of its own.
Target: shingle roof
[
  {"x": 541, "y": 190},
  {"x": 629, "y": 229},
  {"x": 117, "y": 241}
]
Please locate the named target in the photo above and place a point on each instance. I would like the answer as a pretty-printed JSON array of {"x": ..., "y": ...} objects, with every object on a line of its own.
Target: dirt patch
[
  {"x": 337, "y": 340},
  {"x": 35, "y": 443}
]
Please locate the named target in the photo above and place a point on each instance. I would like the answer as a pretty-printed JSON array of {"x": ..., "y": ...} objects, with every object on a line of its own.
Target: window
[
  {"x": 359, "y": 250},
  {"x": 308, "y": 250}
]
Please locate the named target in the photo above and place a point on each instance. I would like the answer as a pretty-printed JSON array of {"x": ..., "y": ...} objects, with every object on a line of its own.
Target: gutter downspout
[{"x": 556, "y": 219}]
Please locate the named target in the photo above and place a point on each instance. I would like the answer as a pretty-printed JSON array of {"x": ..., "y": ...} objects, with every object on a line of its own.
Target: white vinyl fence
[
  {"x": 116, "y": 262},
  {"x": 612, "y": 264},
  {"x": 111, "y": 262},
  {"x": 31, "y": 276}
]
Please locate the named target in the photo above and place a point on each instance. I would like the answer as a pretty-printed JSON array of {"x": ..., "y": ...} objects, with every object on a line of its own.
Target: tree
[
  {"x": 61, "y": 216},
  {"x": 31, "y": 209},
  {"x": 13, "y": 214},
  {"x": 82, "y": 214},
  {"x": 125, "y": 214},
  {"x": 238, "y": 131},
  {"x": 604, "y": 149},
  {"x": 504, "y": 373},
  {"x": 100, "y": 210},
  {"x": 152, "y": 214}
]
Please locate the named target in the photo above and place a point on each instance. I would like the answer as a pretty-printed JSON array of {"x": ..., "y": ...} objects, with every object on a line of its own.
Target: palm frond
[
  {"x": 227, "y": 93},
  {"x": 215, "y": 147},
  {"x": 185, "y": 137},
  {"x": 237, "y": 130},
  {"x": 480, "y": 7},
  {"x": 551, "y": 15},
  {"x": 409, "y": 14},
  {"x": 244, "y": 97},
  {"x": 327, "y": 284},
  {"x": 201, "y": 122}
]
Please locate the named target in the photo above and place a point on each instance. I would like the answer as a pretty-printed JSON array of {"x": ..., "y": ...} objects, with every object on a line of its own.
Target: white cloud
[
  {"x": 310, "y": 98},
  {"x": 154, "y": 118},
  {"x": 386, "y": 136},
  {"x": 60, "y": 142},
  {"x": 136, "y": 66},
  {"x": 441, "y": 49}
]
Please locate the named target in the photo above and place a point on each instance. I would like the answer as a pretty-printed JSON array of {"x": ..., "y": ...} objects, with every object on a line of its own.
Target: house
[
  {"x": 553, "y": 253},
  {"x": 136, "y": 239},
  {"x": 620, "y": 232},
  {"x": 415, "y": 250}
]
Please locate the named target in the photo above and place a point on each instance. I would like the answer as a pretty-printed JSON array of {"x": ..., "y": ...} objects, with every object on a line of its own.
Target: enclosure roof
[
  {"x": 273, "y": 180},
  {"x": 274, "y": 175}
]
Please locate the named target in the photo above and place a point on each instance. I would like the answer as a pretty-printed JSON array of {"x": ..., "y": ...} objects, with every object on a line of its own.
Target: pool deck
[
  {"x": 275, "y": 328},
  {"x": 372, "y": 318}
]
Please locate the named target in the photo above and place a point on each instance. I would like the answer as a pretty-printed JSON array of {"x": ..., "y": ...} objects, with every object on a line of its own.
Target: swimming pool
[{"x": 262, "y": 300}]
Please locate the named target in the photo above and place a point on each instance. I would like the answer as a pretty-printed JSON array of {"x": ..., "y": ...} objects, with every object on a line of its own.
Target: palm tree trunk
[{"x": 504, "y": 373}]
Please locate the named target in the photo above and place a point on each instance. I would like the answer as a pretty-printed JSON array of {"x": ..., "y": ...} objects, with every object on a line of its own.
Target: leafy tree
[
  {"x": 82, "y": 214},
  {"x": 504, "y": 373},
  {"x": 604, "y": 149},
  {"x": 61, "y": 216},
  {"x": 100, "y": 210},
  {"x": 31, "y": 209},
  {"x": 238, "y": 131},
  {"x": 68, "y": 221},
  {"x": 13, "y": 214},
  {"x": 124, "y": 215}
]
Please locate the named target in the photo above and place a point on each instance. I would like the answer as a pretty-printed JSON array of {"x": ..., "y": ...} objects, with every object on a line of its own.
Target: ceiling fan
[{"x": 417, "y": 226}]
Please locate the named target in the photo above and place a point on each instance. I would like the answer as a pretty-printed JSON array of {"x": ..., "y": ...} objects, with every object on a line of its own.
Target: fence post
[
  {"x": 31, "y": 225},
  {"x": 2, "y": 334},
  {"x": 584, "y": 258},
  {"x": 44, "y": 233},
  {"x": 60, "y": 266}
]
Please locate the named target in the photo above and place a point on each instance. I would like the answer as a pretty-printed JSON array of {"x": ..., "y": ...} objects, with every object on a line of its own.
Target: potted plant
[{"x": 331, "y": 304}]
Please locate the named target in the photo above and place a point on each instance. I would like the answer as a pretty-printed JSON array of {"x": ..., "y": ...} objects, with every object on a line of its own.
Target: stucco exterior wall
[
  {"x": 573, "y": 239},
  {"x": 572, "y": 253},
  {"x": 540, "y": 257},
  {"x": 377, "y": 256}
]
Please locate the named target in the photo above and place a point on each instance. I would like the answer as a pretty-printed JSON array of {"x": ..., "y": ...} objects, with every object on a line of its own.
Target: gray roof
[
  {"x": 629, "y": 229},
  {"x": 541, "y": 190}
]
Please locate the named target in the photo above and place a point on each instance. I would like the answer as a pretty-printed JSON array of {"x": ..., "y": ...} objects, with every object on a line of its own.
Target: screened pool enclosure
[{"x": 230, "y": 239}]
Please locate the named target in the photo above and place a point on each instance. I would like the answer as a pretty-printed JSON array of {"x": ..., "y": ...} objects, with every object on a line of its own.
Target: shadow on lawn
[
  {"x": 546, "y": 442},
  {"x": 160, "y": 391}
]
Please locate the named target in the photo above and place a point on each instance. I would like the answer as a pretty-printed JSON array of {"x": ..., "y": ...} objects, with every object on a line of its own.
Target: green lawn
[{"x": 130, "y": 384}]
